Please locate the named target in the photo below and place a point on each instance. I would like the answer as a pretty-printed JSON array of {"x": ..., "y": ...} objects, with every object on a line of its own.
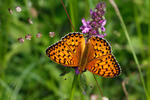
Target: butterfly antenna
[
  {"x": 98, "y": 86},
  {"x": 67, "y": 15}
]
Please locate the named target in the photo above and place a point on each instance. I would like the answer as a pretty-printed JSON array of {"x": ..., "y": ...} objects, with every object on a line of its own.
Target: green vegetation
[{"x": 26, "y": 73}]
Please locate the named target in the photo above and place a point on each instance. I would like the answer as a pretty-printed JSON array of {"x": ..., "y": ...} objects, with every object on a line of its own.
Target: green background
[{"x": 26, "y": 73}]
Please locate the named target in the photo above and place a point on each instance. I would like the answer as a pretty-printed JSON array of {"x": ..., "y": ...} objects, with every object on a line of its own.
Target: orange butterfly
[{"x": 95, "y": 55}]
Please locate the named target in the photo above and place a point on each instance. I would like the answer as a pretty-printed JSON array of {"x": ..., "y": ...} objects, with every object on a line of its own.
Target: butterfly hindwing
[
  {"x": 68, "y": 50},
  {"x": 105, "y": 66},
  {"x": 101, "y": 61}
]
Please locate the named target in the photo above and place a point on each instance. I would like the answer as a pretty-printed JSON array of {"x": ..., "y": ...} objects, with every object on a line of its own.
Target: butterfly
[{"x": 94, "y": 55}]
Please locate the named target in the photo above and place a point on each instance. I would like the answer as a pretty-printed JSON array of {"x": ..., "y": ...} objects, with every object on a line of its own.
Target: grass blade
[
  {"x": 20, "y": 81},
  {"x": 130, "y": 44}
]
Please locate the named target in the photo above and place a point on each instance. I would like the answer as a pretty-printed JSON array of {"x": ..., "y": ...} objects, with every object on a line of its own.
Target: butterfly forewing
[
  {"x": 101, "y": 61},
  {"x": 98, "y": 47},
  {"x": 67, "y": 51}
]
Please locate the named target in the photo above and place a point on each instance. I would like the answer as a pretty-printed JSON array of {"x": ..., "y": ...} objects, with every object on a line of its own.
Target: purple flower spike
[
  {"x": 77, "y": 71},
  {"x": 95, "y": 26}
]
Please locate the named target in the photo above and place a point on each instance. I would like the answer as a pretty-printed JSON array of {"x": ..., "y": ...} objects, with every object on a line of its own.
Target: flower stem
[
  {"x": 101, "y": 93},
  {"x": 129, "y": 41},
  {"x": 73, "y": 86},
  {"x": 68, "y": 15}
]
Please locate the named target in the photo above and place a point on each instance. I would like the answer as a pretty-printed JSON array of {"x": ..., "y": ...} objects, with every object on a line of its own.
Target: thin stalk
[
  {"x": 6, "y": 87},
  {"x": 68, "y": 15},
  {"x": 101, "y": 93},
  {"x": 72, "y": 24},
  {"x": 129, "y": 41},
  {"x": 73, "y": 86},
  {"x": 20, "y": 80},
  {"x": 147, "y": 4}
]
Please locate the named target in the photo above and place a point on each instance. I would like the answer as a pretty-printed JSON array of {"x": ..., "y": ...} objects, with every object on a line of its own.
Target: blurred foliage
[{"x": 26, "y": 73}]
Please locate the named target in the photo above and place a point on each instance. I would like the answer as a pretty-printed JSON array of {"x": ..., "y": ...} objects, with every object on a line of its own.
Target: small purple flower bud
[
  {"x": 84, "y": 92},
  {"x": 77, "y": 71},
  {"x": 82, "y": 27},
  {"x": 105, "y": 34},
  {"x": 98, "y": 6},
  {"x": 94, "y": 97},
  {"x": 105, "y": 98},
  {"x": 93, "y": 32},
  {"x": 103, "y": 22},
  {"x": 18, "y": 9},
  {"x": 21, "y": 40},
  {"x": 93, "y": 23},
  {"x": 86, "y": 30},
  {"x": 84, "y": 22},
  {"x": 86, "y": 26},
  {"x": 91, "y": 11},
  {"x": 51, "y": 34},
  {"x": 103, "y": 29},
  {"x": 38, "y": 35},
  {"x": 10, "y": 11},
  {"x": 101, "y": 36},
  {"x": 28, "y": 37},
  {"x": 30, "y": 21}
]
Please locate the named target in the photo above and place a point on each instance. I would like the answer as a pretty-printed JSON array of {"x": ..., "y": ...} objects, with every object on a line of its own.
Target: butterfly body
[
  {"x": 93, "y": 55},
  {"x": 84, "y": 59}
]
